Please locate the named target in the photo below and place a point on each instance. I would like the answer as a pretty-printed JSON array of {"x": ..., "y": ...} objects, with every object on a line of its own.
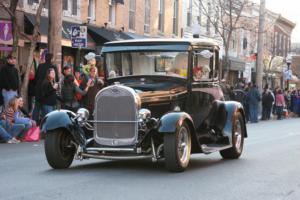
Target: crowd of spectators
[
  {"x": 275, "y": 104},
  {"x": 74, "y": 88}
]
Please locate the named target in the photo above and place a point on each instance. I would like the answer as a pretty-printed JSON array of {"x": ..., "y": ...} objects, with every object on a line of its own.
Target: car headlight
[
  {"x": 83, "y": 114},
  {"x": 144, "y": 113}
]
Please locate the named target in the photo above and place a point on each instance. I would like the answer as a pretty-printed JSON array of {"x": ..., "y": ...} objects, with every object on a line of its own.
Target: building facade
[{"x": 106, "y": 20}]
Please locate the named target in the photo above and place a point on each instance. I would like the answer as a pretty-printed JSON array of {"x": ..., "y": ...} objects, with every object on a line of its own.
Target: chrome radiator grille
[{"x": 115, "y": 116}]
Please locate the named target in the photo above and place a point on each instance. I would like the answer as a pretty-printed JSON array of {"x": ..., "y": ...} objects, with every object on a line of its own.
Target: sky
[{"x": 289, "y": 9}]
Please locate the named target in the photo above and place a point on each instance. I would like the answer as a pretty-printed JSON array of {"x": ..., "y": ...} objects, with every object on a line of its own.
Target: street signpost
[
  {"x": 79, "y": 36},
  {"x": 79, "y": 39},
  {"x": 288, "y": 72}
]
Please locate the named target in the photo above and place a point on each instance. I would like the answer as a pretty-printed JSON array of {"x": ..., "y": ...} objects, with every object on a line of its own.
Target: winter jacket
[
  {"x": 48, "y": 94},
  {"x": 40, "y": 77},
  {"x": 280, "y": 100},
  {"x": 9, "y": 78},
  {"x": 68, "y": 92},
  {"x": 253, "y": 96},
  {"x": 88, "y": 100},
  {"x": 267, "y": 99}
]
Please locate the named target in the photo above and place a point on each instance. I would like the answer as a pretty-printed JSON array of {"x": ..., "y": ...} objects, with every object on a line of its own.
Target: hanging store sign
[
  {"x": 79, "y": 36},
  {"x": 6, "y": 36}
]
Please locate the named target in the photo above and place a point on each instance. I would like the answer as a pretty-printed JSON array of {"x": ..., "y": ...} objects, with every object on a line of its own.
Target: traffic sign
[
  {"x": 78, "y": 42},
  {"x": 79, "y": 36}
]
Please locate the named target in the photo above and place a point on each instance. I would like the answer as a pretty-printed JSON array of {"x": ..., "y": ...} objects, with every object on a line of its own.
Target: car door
[{"x": 204, "y": 89}]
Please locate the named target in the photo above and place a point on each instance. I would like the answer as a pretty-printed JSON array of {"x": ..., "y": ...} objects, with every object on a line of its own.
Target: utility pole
[
  {"x": 55, "y": 31},
  {"x": 260, "y": 45}
]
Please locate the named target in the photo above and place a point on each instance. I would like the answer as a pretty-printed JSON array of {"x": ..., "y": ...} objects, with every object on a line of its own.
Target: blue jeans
[
  {"x": 253, "y": 112},
  {"x": 14, "y": 130},
  {"x": 8, "y": 95},
  {"x": 3, "y": 133},
  {"x": 279, "y": 111},
  {"x": 46, "y": 109},
  {"x": 27, "y": 125},
  {"x": 36, "y": 113}
]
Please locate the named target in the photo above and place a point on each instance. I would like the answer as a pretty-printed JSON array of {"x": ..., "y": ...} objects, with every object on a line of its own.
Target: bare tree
[
  {"x": 11, "y": 10},
  {"x": 33, "y": 41},
  {"x": 225, "y": 16}
]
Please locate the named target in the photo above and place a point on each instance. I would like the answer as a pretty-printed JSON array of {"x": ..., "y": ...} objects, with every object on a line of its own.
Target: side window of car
[{"x": 202, "y": 64}]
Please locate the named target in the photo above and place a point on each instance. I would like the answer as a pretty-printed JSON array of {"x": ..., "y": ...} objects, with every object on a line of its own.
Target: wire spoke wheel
[
  {"x": 238, "y": 134},
  {"x": 177, "y": 149}
]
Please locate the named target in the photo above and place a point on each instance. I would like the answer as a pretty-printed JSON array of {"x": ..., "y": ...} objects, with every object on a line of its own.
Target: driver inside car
[{"x": 197, "y": 73}]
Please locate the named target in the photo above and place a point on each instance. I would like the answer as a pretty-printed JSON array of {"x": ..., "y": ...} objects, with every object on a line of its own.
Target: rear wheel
[
  {"x": 58, "y": 149},
  {"x": 177, "y": 149},
  {"x": 237, "y": 139}
]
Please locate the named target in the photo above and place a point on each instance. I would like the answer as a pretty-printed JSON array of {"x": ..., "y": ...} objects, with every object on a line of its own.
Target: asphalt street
[{"x": 268, "y": 169}]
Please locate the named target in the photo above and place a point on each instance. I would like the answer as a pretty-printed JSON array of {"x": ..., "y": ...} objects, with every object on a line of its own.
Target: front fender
[
  {"x": 56, "y": 119},
  {"x": 62, "y": 119},
  {"x": 170, "y": 121},
  {"x": 232, "y": 107}
]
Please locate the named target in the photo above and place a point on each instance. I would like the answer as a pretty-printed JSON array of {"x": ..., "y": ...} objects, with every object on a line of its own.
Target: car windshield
[{"x": 120, "y": 64}]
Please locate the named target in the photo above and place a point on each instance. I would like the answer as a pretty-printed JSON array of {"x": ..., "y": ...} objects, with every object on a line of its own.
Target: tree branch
[{"x": 7, "y": 9}]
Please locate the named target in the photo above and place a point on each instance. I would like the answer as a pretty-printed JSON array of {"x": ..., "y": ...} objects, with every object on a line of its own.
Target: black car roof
[{"x": 186, "y": 41}]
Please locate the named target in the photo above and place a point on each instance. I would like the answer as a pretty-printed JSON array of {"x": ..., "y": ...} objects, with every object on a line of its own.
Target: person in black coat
[
  {"x": 10, "y": 82},
  {"x": 267, "y": 103},
  {"x": 69, "y": 90},
  {"x": 40, "y": 77},
  {"x": 48, "y": 93}
]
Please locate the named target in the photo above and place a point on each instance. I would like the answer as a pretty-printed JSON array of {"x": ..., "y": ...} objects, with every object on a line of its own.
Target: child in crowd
[
  {"x": 15, "y": 129},
  {"x": 21, "y": 116}
]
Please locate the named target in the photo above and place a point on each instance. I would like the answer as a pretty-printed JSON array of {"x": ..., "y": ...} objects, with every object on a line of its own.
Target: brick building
[{"x": 107, "y": 20}]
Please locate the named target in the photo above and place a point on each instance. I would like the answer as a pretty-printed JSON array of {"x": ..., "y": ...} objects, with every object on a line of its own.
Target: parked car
[{"x": 163, "y": 101}]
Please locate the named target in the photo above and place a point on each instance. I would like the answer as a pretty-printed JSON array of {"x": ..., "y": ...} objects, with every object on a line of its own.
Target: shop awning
[
  {"x": 134, "y": 36},
  {"x": 236, "y": 64},
  {"x": 108, "y": 34},
  {"x": 66, "y": 30}
]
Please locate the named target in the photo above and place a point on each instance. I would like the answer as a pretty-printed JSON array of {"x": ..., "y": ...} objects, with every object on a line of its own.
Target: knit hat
[{"x": 90, "y": 56}]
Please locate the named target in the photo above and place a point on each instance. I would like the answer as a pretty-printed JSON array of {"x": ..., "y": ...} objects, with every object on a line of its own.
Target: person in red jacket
[{"x": 280, "y": 104}]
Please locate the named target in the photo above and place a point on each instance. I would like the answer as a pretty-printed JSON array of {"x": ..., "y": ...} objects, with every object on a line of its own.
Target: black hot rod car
[{"x": 163, "y": 101}]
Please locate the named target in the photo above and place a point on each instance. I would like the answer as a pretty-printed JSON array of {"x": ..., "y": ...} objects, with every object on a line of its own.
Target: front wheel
[
  {"x": 177, "y": 149},
  {"x": 238, "y": 134},
  {"x": 58, "y": 149}
]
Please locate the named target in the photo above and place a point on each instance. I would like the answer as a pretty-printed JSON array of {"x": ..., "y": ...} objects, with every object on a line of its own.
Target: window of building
[
  {"x": 132, "y": 14},
  {"x": 65, "y": 4},
  {"x": 175, "y": 18},
  {"x": 30, "y": 2},
  {"x": 280, "y": 44},
  {"x": 207, "y": 19},
  {"x": 283, "y": 46},
  {"x": 147, "y": 16},
  {"x": 112, "y": 15},
  {"x": 91, "y": 9},
  {"x": 233, "y": 39},
  {"x": 189, "y": 14},
  {"x": 245, "y": 43},
  {"x": 199, "y": 17},
  {"x": 74, "y": 7},
  {"x": 161, "y": 15},
  {"x": 69, "y": 7}
]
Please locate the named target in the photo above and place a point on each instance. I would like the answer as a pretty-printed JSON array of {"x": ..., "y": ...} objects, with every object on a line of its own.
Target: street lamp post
[
  {"x": 288, "y": 80},
  {"x": 260, "y": 45},
  {"x": 288, "y": 62}
]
